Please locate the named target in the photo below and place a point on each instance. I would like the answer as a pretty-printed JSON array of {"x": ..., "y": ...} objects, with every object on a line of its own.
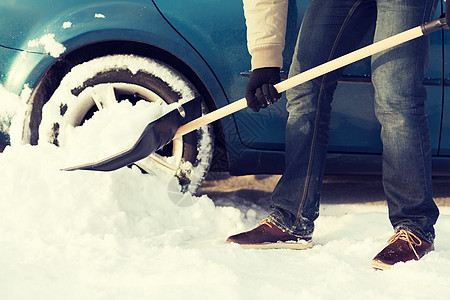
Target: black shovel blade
[{"x": 155, "y": 135}]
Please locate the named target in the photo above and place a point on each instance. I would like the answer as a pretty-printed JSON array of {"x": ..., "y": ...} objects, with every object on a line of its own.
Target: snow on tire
[{"x": 103, "y": 81}]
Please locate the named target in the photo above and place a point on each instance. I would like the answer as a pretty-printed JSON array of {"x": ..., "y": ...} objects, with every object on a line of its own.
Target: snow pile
[
  {"x": 117, "y": 235},
  {"x": 8, "y": 108},
  {"x": 61, "y": 226},
  {"x": 12, "y": 112}
]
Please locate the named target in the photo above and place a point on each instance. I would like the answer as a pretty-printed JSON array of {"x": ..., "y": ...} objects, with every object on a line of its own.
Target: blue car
[{"x": 99, "y": 52}]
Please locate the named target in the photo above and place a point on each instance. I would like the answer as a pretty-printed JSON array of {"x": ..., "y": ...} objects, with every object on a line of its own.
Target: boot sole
[
  {"x": 378, "y": 265},
  {"x": 281, "y": 245}
]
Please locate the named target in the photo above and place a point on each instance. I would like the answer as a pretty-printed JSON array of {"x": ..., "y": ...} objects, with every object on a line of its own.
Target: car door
[{"x": 354, "y": 127}]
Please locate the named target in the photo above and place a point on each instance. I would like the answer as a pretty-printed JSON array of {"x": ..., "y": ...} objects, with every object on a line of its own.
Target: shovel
[{"x": 169, "y": 126}]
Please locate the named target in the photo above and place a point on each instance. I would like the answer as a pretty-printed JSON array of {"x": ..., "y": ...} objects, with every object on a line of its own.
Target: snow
[
  {"x": 49, "y": 44},
  {"x": 117, "y": 235},
  {"x": 111, "y": 137},
  {"x": 66, "y": 25},
  {"x": 8, "y": 109}
]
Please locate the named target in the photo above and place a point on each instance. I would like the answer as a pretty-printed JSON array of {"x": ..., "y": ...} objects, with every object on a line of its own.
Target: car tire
[{"x": 130, "y": 77}]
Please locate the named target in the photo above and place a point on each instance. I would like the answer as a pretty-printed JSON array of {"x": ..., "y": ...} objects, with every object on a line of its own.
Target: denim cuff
[
  {"x": 304, "y": 232},
  {"x": 429, "y": 237}
]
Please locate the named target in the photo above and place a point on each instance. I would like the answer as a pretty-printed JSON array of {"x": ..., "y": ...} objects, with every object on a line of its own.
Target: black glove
[{"x": 260, "y": 91}]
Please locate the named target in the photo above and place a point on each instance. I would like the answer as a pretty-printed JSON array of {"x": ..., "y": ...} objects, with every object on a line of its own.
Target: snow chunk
[
  {"x": 66, "y": 25},
  {"x": 49, "y": 44}
]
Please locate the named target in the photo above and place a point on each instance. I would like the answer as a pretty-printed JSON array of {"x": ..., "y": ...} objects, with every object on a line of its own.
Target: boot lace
[
  {"x": 265, "y": 222},
  {"x": 408, "y": 237}
]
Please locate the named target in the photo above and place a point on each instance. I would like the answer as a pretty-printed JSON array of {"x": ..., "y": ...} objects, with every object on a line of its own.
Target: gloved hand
[{"x": 260, "y": 91}]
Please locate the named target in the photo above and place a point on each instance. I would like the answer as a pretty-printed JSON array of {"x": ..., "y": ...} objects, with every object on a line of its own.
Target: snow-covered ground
[{"x": 117, "y": 235}]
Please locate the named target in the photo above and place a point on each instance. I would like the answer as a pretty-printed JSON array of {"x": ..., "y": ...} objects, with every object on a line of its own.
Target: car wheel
[{"x": 103, "y": 81}]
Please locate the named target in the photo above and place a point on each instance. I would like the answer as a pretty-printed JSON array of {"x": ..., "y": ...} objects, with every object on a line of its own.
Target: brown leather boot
[
  {"x": 268, "y": 236},
  {"x": 403, "y": 246}
]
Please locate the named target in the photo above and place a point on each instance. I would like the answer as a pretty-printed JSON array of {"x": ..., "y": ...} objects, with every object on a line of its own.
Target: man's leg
[
  {"x": 330, "y": 29},
  {"x": 397, "y": 75}
]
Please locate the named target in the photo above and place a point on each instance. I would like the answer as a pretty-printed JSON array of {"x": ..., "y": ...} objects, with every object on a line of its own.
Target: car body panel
[{"x": 91, "y": 23}]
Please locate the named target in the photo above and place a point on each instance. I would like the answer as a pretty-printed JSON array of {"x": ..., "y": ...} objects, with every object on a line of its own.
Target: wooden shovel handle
[{"x": 306, "y": 76}]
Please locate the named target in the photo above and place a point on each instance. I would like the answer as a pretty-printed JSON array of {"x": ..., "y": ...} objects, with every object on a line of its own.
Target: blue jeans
[{"x": 332, "y": 28}]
